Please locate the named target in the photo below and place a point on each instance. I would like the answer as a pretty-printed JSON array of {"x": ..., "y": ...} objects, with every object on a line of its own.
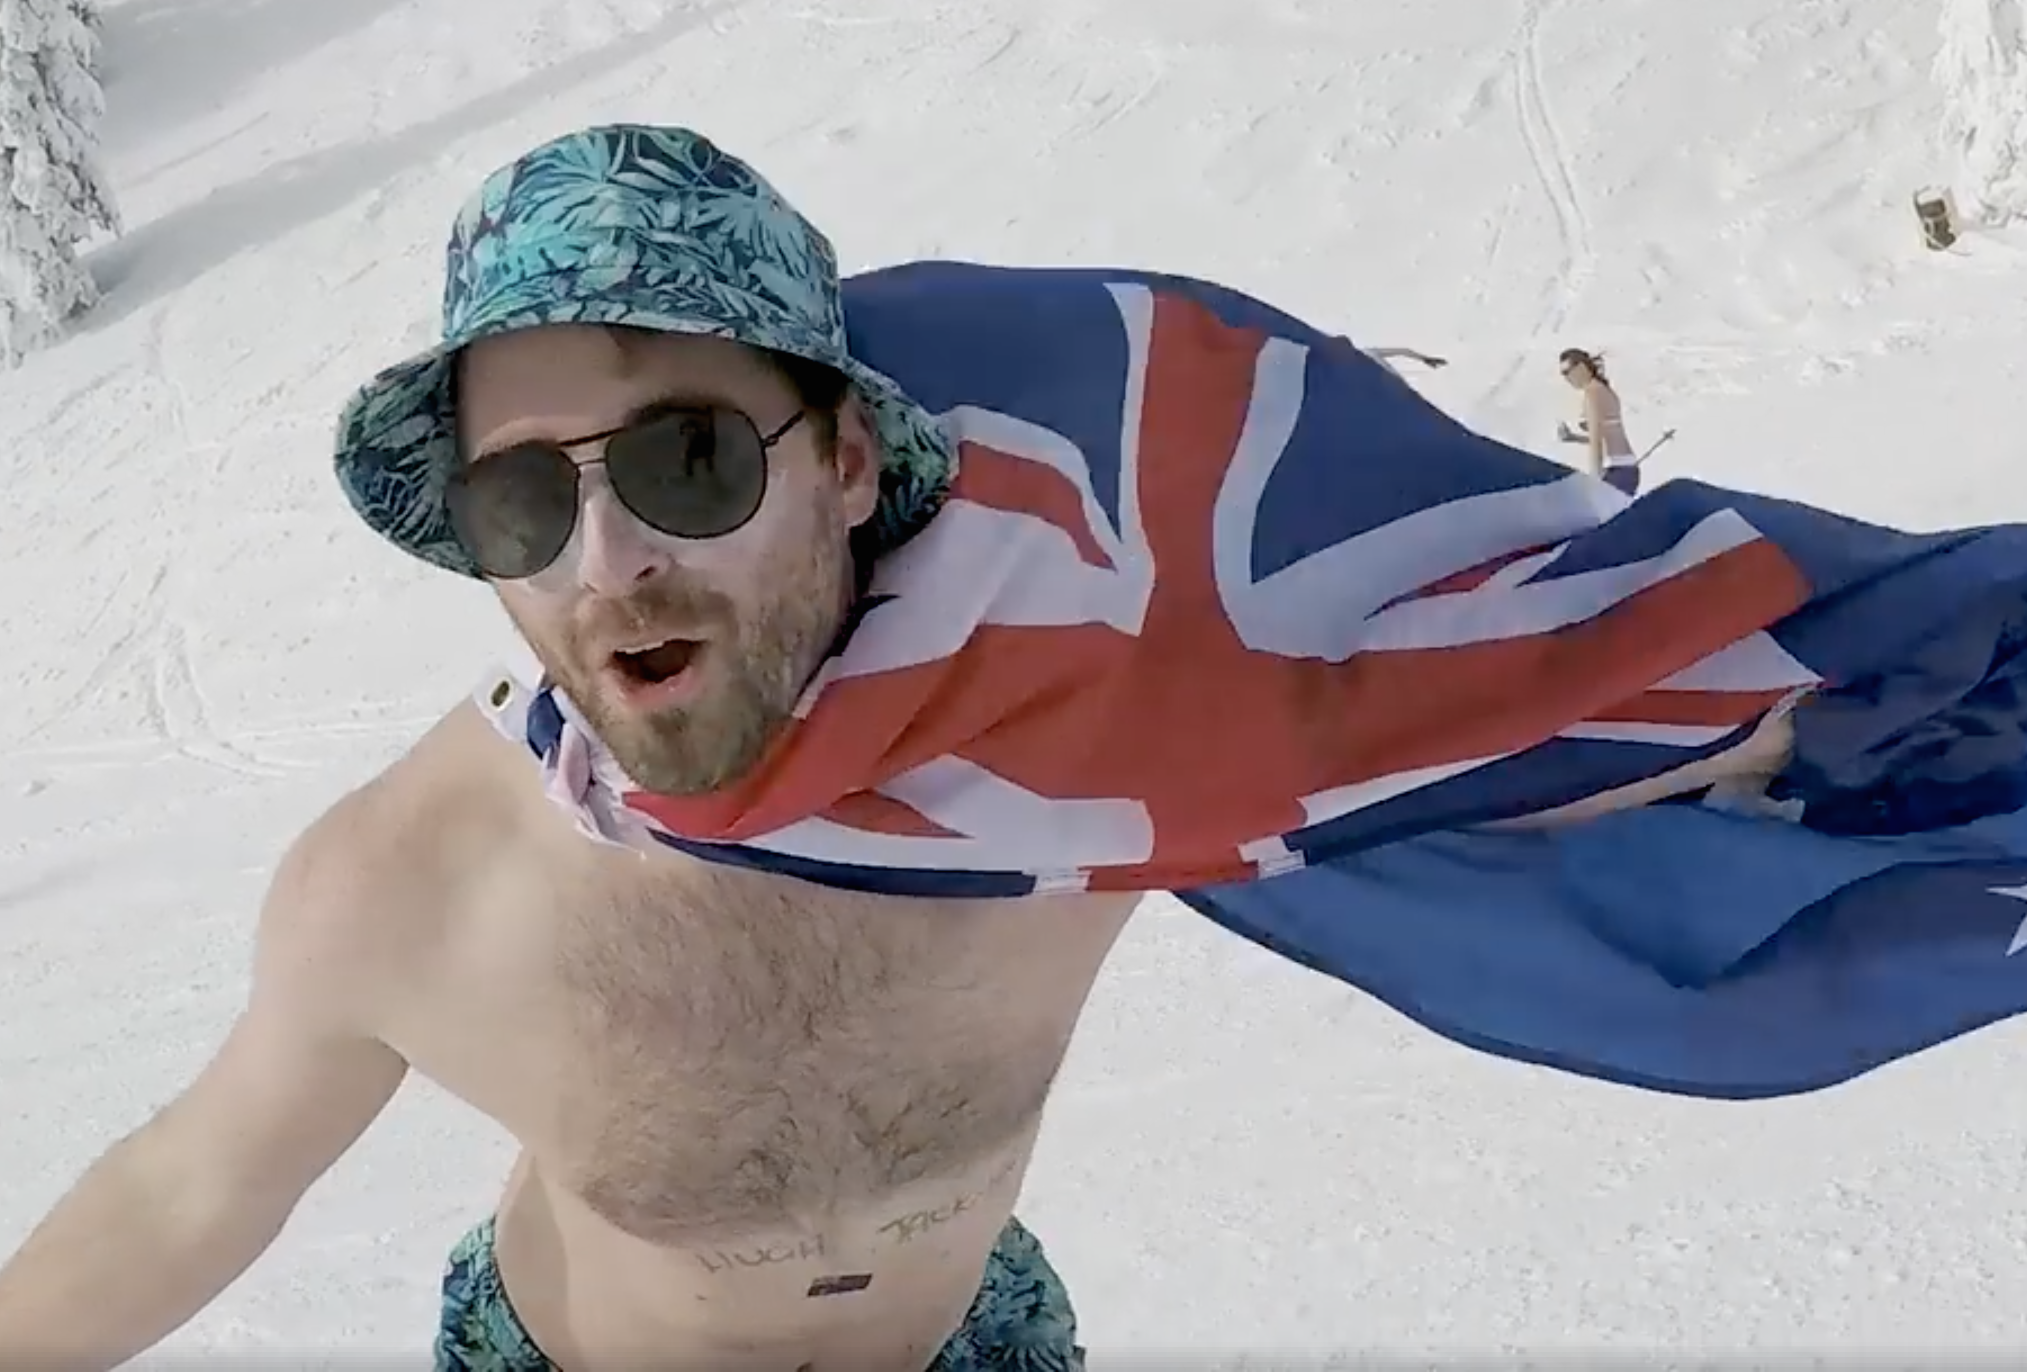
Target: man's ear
[{"x": 856, "y": 459}]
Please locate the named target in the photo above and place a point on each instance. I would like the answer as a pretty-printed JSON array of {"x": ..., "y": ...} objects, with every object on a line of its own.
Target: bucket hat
[{"x": 634, "y": 225}]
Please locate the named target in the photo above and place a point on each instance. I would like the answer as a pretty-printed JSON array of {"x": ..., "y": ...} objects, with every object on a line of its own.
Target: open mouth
[{"x": 657, "y": 663}]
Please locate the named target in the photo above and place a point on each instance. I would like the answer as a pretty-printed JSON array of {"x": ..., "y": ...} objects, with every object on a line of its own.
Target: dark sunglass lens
[
  {"x": 513, "y": 511},
  {"x": 697, "y": 474}
]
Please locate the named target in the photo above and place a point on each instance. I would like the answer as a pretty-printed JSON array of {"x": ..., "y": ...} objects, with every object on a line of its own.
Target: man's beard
[{"x": 759, "y": 665}]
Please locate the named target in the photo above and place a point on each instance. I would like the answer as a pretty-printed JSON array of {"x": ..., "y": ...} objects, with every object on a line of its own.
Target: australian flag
[{"x": 1218, "y": 605}]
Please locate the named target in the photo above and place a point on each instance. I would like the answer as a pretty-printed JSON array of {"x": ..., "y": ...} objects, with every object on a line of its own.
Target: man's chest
[{"x": 723, "y": 1052}]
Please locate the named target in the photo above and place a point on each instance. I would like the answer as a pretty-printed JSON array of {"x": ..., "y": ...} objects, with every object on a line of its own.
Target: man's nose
[{"x": 617, "y": 551}]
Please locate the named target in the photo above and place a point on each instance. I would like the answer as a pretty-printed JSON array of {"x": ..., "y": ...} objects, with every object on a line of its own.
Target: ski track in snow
[
  {"x": 1244, "y": 1165},
  {"x": 1549, "y": 160}
]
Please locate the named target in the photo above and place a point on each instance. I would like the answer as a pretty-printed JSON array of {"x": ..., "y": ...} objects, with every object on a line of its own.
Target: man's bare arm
[
  {"x": 1753, "y": 763},
  {"x": 169, "y": 1216}
]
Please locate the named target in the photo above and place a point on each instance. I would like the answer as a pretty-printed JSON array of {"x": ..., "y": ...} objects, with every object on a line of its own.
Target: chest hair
[{"x": 757, "y": 1052}]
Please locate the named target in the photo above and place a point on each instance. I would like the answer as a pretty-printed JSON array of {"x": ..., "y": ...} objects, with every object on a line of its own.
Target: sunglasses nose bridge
[{"x": 615, "y": 550}]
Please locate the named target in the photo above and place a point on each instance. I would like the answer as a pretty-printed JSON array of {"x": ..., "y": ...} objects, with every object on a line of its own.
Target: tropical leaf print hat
[{"x": 647, "y": 227}]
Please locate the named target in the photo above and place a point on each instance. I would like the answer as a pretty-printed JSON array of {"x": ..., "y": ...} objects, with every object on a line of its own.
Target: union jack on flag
[{"x": 1218, "y": 605}]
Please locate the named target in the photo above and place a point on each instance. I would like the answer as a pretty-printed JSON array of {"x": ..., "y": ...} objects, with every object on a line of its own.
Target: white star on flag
[{"x": 2020, "y": 934}]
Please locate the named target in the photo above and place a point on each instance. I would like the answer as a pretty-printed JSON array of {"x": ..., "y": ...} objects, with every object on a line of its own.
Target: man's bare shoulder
[{"x": 377, "y": 876}]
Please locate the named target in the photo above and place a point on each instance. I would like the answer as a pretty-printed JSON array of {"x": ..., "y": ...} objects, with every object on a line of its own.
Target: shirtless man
[{"x": 765, "y": 1125}]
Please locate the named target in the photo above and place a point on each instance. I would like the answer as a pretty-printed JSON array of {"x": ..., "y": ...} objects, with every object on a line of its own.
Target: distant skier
[{"x": 1603, "y": 427}]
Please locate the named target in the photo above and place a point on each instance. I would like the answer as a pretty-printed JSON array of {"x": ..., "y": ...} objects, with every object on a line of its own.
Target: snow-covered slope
[{"x": 203, "y": 649}]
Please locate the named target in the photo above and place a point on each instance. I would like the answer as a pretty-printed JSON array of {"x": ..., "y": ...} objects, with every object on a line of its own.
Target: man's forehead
[{"x": 570, "y": 377}]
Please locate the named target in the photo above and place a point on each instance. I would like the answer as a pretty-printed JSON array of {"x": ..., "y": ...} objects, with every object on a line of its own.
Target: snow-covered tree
[
  {"x": 1981, "y": 68},
  {"x": 53, "y": 195}
]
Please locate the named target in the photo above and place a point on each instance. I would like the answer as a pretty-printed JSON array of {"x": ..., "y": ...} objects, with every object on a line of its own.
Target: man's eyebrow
[{"x": 670, "y": 402}]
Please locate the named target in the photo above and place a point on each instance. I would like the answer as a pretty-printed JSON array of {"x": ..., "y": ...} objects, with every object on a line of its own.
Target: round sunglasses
[{"x": 691, "y": 471}]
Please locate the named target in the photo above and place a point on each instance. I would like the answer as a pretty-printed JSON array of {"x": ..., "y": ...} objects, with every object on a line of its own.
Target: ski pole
[{"x": 1654, "y": 447}]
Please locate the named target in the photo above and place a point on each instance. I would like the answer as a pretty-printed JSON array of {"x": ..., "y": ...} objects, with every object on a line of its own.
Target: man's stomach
[{"x": 879, "y": 1283}]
